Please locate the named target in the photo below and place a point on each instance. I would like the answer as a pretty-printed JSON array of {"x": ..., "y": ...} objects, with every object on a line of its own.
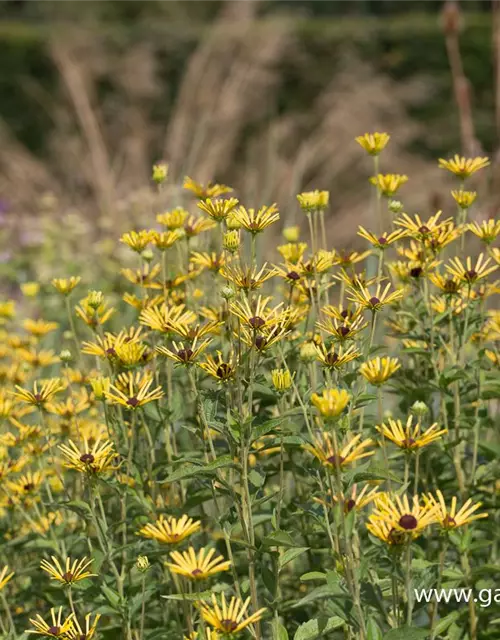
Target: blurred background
[{"x": 266, "y": 96}]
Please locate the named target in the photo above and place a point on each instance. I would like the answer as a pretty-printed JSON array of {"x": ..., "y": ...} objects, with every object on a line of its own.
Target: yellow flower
[
  {"x": 464, "y": 199},
  {"x": 194, "y": 226},
  {"x": 184, "y": 355},
  {"x": 347, "y": 259},
  {"x": 383, "y": 241},
  {"x": 379, "y": 370},
  {"x": 7, "y": 309},
  {"x": 164, "y": 318},
  {"x": 229, "y": 618},
  {"x": 170, "y": 530},
  {"x": 263, "y": 339},
  {"x": 160, "y": 172},
  {"x": 389, "y": 183},
  {"x": 293, "y": 251},
  {"x": 73, "y": 571},
  {"x": 173, "y": 219},
  {"x": 313, "y": 200},
  {"x": 218, "y": 209},
  {"x": 331, "y": 457},
  {"x": 211, "y": 261},
  {"x": 66, "y": 285},
  {"x": 373, "y": 143},
  {"x": 410, "y": 437},
  {"x": 376, "y": 302},
  {"x": 487, "y": 231},
  {"x": 5, "y": 576},
  {"x": 92, "y": 316},
  {"x": 355, "y": 501},
  {"x": 211, "y": 190},
  {"x": 28, "y": 484},
  {"x": 247, "y": 278},
  {"x": 451, "y": 518},
  {"x": 85, "y": 632},
  {"x": 256, "y": 221},
  {"x": 133, "y": 391},
  {"x": 197, "y": 566},
  {"x": 335, "y": 359},
  {"x": 450, "y": 286},
  {"x": 463, "y": 167},
  {"x": 219, "y": 369},
  {"x": 145, "y": 277},
  {"x": 291, "y": 234},
  {"x": 58, "y": 629},
  {"x": 231, "y": 241},
  {"x": 470, "y": 274},
  {"x": 39, "y": 328},
  {"x": 30, "y": 289},
  {"x": 342, "y": 330},
  {"x": 91, "y": 460},
  {"x": 395, "y": 520},
  {"x": 137, "y": 240},
  {"x": 331, "y": 402},
  {"x": 256, "y": 315},
  {"x": 38, "y": 358},
  {"x": 40, "y": 396},
  {"x": 419, "y": 229},
  {"x": 163, "y": 240},
  {"x": 282, "y": 379}
]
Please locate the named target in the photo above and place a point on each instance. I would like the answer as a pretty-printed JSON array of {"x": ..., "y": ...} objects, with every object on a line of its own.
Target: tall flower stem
[{"x": 408, "y": 583}]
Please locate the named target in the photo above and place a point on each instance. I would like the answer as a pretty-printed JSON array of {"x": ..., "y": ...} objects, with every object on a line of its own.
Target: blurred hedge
[{"x": 403, "y": 45}]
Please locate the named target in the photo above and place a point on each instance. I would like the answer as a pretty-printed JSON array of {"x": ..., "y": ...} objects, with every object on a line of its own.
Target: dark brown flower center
[
  {"x": 382, "y": 240},
  {"x": 87, "y": 458},
  {"x": 408, "y": 522},
  {"x": 111, "y": 351},
  {"x": 345, "y": 314},
  {"x": 449, "y": 522},
  {"x": 331, "y": 358},
  {"x": 416, "y": 272},
  {"x": 450, "y": 286},
  {"x": 67, "y": 577},
  {"x": 54, "y": 631},
  {"x": 260, "y": 342},
  {"x": 471, "y": 274},
  {"x": 408, "y": 443},
  {"x": 374, "y": 301},
  {"x": 349, "y": 505},
  {"x": 344, "y": 331},
  {"x": 293, "y": 275},
  {"x": 228, "y": 624},
  {"x": 185, "y": 354},
  {"x": 38, "y": 397},
  {"x": 133, "y": 402},
  {"x": 196, "y": 572},
  {"x": 336, "y": 460},
  {"x": 224, "y": 371},
  {"x": 29, "y": 486},
  {"x": 256, "y": 322},
  {"x": 423, "y": 229}
]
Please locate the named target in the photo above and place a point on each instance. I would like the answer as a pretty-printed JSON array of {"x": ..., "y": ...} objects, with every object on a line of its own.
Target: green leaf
[
  {"x": 312, "y": 575},
  {"x": 407, "y": 633},
  {"x": 261, "y": 429},
  {"x": 291, "y": 554},
  {"x": 313, "y": 629},
  {"x": 79, "y": 507},
  {"x": 256, "y": 478},
  {"x": 373, "y": 631},
  {"x": 279, "y": 631},
  {"x": 112, "y": 596},
  {"x": 446, "y": 622},
  {"x": 192, "y": 470},
  {"x": 206, "y": 596},
  {"x": 279, "y": 539}
]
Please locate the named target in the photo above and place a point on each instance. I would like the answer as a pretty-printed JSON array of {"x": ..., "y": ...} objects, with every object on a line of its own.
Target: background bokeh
[{"x": 265, "y": 96}]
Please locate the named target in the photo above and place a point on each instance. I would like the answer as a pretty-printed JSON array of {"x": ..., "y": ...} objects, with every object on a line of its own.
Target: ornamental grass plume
[{"x": 219, "y": 440}]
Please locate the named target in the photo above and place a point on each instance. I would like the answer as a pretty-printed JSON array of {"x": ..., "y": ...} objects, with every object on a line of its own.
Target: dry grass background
[{"x": 224, "y": 125}]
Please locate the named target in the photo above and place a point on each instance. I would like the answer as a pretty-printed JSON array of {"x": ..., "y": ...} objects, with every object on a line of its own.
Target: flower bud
[
  {"x": 395, "y": 206},
  {"x": 227, "y": 293},
  {"x": 147, "y": 255},
  {"x": 291, "y": 234},
  {"x": 282, "y": 379},
  {"x": 100, "y": 386},
  {"x": 142, "y": 564},
  {"x": 160, "y": 172},
  {"x": 95, "y": 299},
  {"x": 419, "y": 408},
  {"x": 231, "y": 241},
  {"x": 65, "y": 355},
  {"x": 308, "y": 352}
]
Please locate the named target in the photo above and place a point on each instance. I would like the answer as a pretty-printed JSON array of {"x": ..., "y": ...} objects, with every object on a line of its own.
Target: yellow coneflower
[
  {"x": 86, "y": 631},
  {"x": 105, "y": 347},
  {"x": 463, "y": 167},
  {"x": 487, "y": 231},
  {"x": 197, "y": 566},
  {"x": 28, "y": 484},
  {"x": 383, "y": 241},
  {"x": 464, "y": 199},
  {"x": 94, "y": 459},
  {"x": 331, "y": 402},
  {"x": 5, "y": 576},
  {"x": 173, "y": 219},
  {"x": 255, "y": 221},
  {"x": 41, "y": 358},
  {"x": 450, "y": 286},
  {"x": 348, "y": 258},
  {"x": 373, "y": 143},
  {"x": 219, "y": 369},
  {"x": 93, "y": 316},
  {"x": 450, "y": 518},
  {"x": 163, "y": 240},
  {"x": 184, "y": 355},
  {"x": 293, "y": 251},
  {"x": 324, "y": 450},
  {"x": 318, "y": 263},
  {"x": 193, "y": 226},
  {"x": 40, "y": 395},
  {"x": 39, "y": 328},
  {"x": 170, "y": 530},
  {"x": 470, "y": 274},
  {"x": 282, "y": 379},
  {"x": 374, "y": 302},
  {"x": 137, "y": 240},
  {"x": 313, "y": 200},
  {"x": 400, "y": 520},
  {"x": 379, "y": 370},
  {"x": 336, "y": 358},
  {"x": 342, "y": 330},
  {"x": 354, "y": 500},
  {"x": 163, "y": 318},
  {"x": 70, "y": 407},
  {"x": 145, "y": 277},
  {"x": 133, "y": 391},
  {"x": 229, "y": 618},
  {"x": 247, "y": 278},
  {"x": 211, "y": 190},
  {"x": 264, "y": 338},
  {"x": 419, "y": 229},
  {"x": 256, "y": 315},
  {"x": 388, "y": 183},
  {"x": 59, "y": 628},
  {"x": 142, "y": 303},
  {"x": 211, "y": 261},
  {"x": 66, "y": 285},
  {"x": 410, "y": 437},
  {"x": 218, "y": 209},
  {"x": 73, "y": 571},
  {"x": 30, "y": 289}
]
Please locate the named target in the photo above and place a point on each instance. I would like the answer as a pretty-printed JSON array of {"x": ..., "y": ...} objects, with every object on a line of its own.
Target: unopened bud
[
  {"x": 95, "y": 299},
  {"x": 65, "y": 355},
  {"x": 142, "y": 564},
  {"x": 160, "y": 172}
]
